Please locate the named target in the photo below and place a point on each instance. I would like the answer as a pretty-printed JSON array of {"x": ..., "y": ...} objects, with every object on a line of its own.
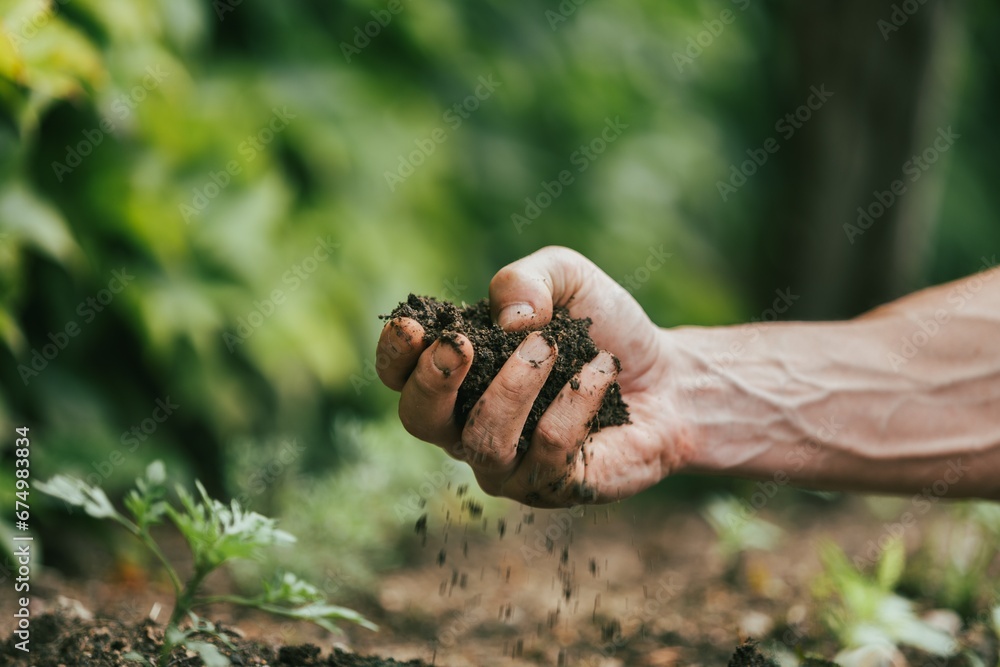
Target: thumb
[{"x": 524, "y": 293}]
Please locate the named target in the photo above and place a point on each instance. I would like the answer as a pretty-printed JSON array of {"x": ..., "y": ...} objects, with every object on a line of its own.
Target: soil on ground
[
  {"x": 635, "y": 584},
  {"x": 492, "y": 346}
]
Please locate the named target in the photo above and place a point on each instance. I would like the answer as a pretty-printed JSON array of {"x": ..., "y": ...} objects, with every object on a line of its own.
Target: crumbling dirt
[
  {"x": 61, "y": 640},
  {"x": 492, "y": 346}
]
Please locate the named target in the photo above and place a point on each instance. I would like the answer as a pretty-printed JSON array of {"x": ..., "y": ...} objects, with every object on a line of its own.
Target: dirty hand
[{"x": 565, "y": 464}]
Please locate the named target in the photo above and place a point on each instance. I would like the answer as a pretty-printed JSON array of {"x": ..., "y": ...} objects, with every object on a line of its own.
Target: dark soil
[
  {"x": 610, "y": 585},
  {"x": 492, "y": 346},
  {"x": 748, "y": 655},
  {"x": 59, "y": 640}
]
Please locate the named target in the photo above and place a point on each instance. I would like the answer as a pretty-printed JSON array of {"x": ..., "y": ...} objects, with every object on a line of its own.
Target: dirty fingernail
[
  {"x": 605, "y": 362},
  {"x": 535, "y": 348},
  {"x": 398, "y": 340},
  {"x": 447, "y": 356},
  {"x": 514, "y": 312}
]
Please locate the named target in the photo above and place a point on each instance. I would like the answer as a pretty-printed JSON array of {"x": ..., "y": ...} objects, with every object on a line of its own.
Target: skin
[{"x": 904, "y": 399}]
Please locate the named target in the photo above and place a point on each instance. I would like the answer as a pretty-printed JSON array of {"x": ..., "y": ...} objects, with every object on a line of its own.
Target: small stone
[{"x": 755, "y": 624}]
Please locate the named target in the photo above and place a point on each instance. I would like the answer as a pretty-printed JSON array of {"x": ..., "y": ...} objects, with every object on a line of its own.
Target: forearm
[{"x": 902, "y": 399}]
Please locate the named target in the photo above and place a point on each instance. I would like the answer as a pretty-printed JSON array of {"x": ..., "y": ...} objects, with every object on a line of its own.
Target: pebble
[{"x": 756, "y": 624}]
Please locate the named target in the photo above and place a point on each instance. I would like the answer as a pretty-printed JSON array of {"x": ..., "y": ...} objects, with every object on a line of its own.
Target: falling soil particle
[{"x": 493, "y": 346}]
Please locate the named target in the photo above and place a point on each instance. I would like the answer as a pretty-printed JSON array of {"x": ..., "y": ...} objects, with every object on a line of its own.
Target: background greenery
[{"x": 289, "y": 418}]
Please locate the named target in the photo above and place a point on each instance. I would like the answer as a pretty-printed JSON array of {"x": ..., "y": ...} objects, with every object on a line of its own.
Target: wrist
[
  {"x": 731, "y": 388},
  {"x": 680, "y": 374}
]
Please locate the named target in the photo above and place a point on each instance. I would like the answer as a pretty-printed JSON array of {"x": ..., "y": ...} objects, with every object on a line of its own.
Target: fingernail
[
  {"x": 447, "y": 356},
  {"x": 398, "y": 341},
  {"x": 605, "y": 362},
  {"x": 535, "y": 349},
  {"x": 514, "y": 312}
]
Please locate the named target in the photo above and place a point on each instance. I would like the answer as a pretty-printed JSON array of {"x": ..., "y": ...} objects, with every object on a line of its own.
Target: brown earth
[
  {"x": 492, "y": 346},
  {"x": 635, "y": 584}
]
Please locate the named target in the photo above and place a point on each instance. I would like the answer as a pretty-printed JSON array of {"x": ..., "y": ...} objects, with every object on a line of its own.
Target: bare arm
[{"x": 902, "y": 399}]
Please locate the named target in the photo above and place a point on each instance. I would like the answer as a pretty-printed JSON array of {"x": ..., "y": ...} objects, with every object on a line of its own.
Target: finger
[
  {"x": 398, "y": 349},
  {"x": 523, "y": 294},
  {"x": 427, "y": 403},
  {"x": 552, "y": 464},
  {"x": 494, "y": 426}
]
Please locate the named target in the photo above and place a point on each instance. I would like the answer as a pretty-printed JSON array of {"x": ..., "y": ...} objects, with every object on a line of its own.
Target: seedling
[
  {"x": 215, "y": 533},
  {"x": 738, "y": 530},
  {"x": 954, "y": 567},
  {"x": 863, "y": 610}
]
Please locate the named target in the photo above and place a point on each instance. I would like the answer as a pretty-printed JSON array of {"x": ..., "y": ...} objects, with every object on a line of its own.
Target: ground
[{"x": 620, "y": 585}]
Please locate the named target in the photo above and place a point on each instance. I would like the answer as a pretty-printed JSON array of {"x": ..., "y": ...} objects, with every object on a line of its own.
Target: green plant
[
  {"x": 215, "y": 533},
  {"x": 953, "y": 566},
  {"x": 862, "y": 610},
  {"x": 738, "y": 528}
]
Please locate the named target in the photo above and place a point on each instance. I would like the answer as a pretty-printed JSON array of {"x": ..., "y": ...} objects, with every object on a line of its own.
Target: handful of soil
[{"x": 492, "y": 346}]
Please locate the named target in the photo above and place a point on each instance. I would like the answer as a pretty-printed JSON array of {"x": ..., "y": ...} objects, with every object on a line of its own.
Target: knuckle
[
  {"x": 413, "y": 423},
  {"x": 507, "y": 389},
  {"x": 551, "y": 435}
]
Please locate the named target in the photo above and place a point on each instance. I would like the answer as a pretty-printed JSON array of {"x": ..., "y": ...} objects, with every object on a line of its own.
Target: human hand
[{"x": 564, "y": 464}]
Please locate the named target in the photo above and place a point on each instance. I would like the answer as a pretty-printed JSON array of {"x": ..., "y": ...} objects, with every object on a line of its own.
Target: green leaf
[
  {"x": 145, "y": 502},
  {"x": 80, "y": 494},
  {"x": 34, "y": 220},
  {"x": 209, "y": 653},
  {"x": 891, "y": 564},
  {"x": 217, "y": 532},
  {"x": 156, "y": 473},
  {"x": 291, "y": 590},
  {"x": 737, "y": 530},
  {"x": 322, "y": 614}
]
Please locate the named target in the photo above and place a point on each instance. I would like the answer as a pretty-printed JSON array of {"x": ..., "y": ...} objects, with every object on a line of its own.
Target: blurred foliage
[{"x": 198, "y": 192}]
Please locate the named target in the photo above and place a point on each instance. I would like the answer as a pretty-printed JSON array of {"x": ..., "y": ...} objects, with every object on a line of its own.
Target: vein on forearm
[{"x": 901, "y": 392}]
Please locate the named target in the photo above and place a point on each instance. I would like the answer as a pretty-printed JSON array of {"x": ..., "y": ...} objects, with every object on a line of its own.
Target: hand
[{"x": 565, "y": 464}]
